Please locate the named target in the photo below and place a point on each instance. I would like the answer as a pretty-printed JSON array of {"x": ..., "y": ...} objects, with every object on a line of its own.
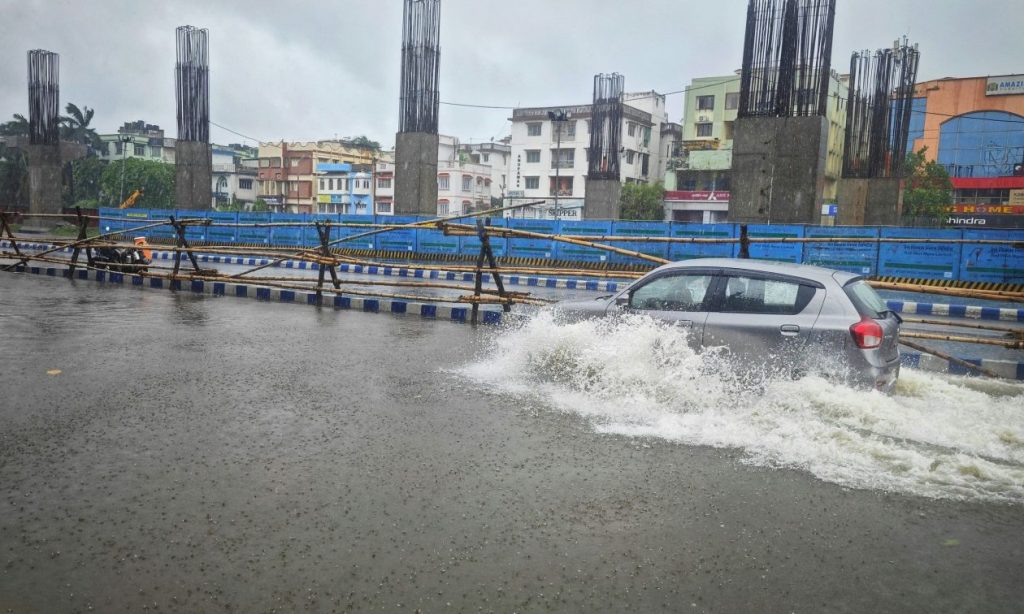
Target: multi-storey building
[
  {"x": 462, "y": 185},
  {"x": 549, "y": 158},
  {"x": 974, "y": 127},
  {"x": 287, "y": 171},
  {"x": 137, "y": 140},
  {"x": 384, "y": 186},
  {"x": 344, "y": 188},
  {"x": 497, "y": 156},
  {"x": 699, "y": 186},
  {"x": 234, "y": 176}
]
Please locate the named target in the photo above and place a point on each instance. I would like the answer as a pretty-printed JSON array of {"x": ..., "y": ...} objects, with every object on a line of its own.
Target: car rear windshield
[{"x": 865, "y": 299}]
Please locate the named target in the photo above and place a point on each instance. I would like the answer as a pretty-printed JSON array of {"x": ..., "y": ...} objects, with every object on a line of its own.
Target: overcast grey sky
[{"x": 303, "y": 70}]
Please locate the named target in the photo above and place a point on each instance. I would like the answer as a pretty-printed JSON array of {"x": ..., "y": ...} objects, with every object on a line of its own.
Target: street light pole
[{"x": 558, "y": 120}]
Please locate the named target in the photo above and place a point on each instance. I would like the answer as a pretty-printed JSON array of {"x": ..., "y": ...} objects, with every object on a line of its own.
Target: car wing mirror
[{"x": 622, "y": 301}]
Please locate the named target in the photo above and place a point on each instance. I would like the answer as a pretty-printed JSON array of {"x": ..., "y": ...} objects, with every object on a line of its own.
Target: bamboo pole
[
  {"x": 952, "y": 359},
  {"x": 992, "y": 295},
  {"x": 1012, "y": 345},
  {"x": 511, "y": 232},
  {"x": 1011, "y": 331},
  {"x": 85, "y": 241}
]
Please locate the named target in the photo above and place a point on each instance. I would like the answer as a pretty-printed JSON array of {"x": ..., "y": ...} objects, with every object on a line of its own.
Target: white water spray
[{"x": 936, "y": 436}]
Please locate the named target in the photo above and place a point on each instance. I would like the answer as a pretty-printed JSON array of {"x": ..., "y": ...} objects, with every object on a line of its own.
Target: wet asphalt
[{"x": 210, "y": 454}]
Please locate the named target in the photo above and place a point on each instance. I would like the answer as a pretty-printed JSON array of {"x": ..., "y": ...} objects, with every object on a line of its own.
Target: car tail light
[{"x": 867, "y": 334}]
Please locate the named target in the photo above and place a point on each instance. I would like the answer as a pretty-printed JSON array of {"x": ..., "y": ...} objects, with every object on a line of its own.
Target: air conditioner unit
[{"x": 703, "y": 118}]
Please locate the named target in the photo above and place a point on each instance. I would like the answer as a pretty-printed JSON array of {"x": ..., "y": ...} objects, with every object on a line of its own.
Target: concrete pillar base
[
  {"x": 416, "y": 173},
  {"x": 601, "y": 201},
  {"x": 778, "y": 170},
  {"x": 193, "y": 188},
  {"x": 45, "y": 181},
  {"x": 870, "y": 202}
]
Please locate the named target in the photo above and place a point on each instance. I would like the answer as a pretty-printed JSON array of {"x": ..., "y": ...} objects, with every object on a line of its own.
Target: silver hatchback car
[{"x": 782, "y": 316}]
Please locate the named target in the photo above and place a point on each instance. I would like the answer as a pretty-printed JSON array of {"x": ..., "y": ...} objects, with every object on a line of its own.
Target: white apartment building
[
  {"x": 462, "y": 185},
  {"x": 497, "y": 156},
  {"x": 550, "y": 158},
  {"x": 233, "y": 177},
  {"x": 137, "y": 140},
  {"x": 384, "y": 196}
]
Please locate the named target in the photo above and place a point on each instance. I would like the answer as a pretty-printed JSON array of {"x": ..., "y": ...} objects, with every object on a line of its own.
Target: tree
[
  {"x": 642, "y": 201},
  {"x": 83, "y": 183},
  {"x": 260, "y": 206},
  {"x": 13, "y": 179},
  {"x": 928, "y": 192},
  {"x": 364, "y": 141},
  {"x": 16, "y": 127},
  {"x": 75, "y": 127},
  {"x": 156, "y": 179}
]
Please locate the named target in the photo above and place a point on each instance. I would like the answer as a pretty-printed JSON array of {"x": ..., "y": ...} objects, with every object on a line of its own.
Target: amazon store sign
[{"x": 1002, "y": 86}]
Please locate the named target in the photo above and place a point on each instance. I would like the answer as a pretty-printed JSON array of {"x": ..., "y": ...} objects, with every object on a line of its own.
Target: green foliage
[
  {"x": 260, "y": 206},
  {"x": 75, "y": 128},
  {"x": 234, "y": 205},
  {"x": 364, "y": 141},
  {"x": 16, "y": 127},
  {"x": 155, "y": 178},
  {"x": 82, "y": 181},
  {"x": 928, "y": 192},
  {"x": 13, "y": 179},
  {"x": 642, "y": 201}
]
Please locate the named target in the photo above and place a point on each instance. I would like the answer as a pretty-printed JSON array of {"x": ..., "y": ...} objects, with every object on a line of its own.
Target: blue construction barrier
[
  {"x": 222, "y": 234},
  {"x": 685, "y": 251},
  {"x": 254, "y": 235},
  {"x": 640, "y": 229},
  {"x": 919, "y": 260},
  {"x": 403, "y": 240},
  {"x": 193, "y": 233},
  {"x": 543, "y": 249},
  {"x": 288, "y": 235},
  {"x": 915, "y": 259},
  {"x": 470, "y": 246},
  {"x": 992, "y": 263},
  {"x": 783, "y": 252},
  {"x": 861, "y": 258},
  {"x": 580, "y": 253}
]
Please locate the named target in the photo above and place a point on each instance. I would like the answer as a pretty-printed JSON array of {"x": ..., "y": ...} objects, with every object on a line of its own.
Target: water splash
[{"x": 935, "y": 436}]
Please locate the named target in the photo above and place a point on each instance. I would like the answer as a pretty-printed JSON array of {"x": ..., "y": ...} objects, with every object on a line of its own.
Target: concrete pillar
[
  {"x": 416, "y": 173},
  {"x": 45, "y": 181},
  {"x": 601, "y": 201},
  {"x": 193, "y": 187},
  {"x": 870, "y": 202},
  {"x": 778, "y": 170}
]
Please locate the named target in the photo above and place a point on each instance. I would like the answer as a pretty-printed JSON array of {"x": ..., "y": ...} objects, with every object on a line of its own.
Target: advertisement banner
[
  {"x": 403, "y": 240},
  {"x": 993, "y": 263},
  {"x": 222, "y": 235},
  {"x": 532, "y": 248},
  {"x": 580, "y": 253},
  {"x": 782, "y": 252},
  {"x": 259, "y": 236},
  {"x": 686, "y": 251},
  {"x": 919, "y": 260},
  {"x": 499, "y": 245},
  {"x": 287, "y": 235},
  {"x": 858, "y": 257}
]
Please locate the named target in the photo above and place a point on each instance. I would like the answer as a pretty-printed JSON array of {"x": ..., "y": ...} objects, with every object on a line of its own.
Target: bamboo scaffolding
[
  {"x": 1011, "y": 332},
  {"x": 1012, "y": 345},
  {"x": 995, "y": 295},
  {"x": 952, "y": 359}
]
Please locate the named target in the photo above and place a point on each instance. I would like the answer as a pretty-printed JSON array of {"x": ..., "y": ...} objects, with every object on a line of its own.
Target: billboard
[{"x": 1004, "y": 86}]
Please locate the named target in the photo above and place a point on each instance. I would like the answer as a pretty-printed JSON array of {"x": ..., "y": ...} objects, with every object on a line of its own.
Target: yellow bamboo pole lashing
[{"x": 960, "y": 324}]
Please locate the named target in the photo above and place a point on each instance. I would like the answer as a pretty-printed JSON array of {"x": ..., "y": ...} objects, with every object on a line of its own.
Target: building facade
[
  {"x": 708, "y": 130},
  {"x": 462, "y": 185},
  {"x": 288, "y": 179},
  {"x": 137, "y": 140},
  {"x": 974, "y": 128},
  {"x": 384, "y": 185},
  {"x": 549, "y": 159},
  {"x": 344, "y": 188},
  {"x": 234, "y": 176}
]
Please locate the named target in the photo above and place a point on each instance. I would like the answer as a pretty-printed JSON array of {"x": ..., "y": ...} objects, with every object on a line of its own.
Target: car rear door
[
  {"x": 762, "y": 316},
  {"x": 678, "y": 296}
]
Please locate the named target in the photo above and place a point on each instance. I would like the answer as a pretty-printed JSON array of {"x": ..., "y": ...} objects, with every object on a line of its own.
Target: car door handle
[
  {"x": 685, "y": 323},
  {"x": 789, "y": 330}
]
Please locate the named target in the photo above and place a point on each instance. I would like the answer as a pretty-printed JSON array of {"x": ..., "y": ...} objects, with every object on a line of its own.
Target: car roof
[{"x": 807, "y": 271}]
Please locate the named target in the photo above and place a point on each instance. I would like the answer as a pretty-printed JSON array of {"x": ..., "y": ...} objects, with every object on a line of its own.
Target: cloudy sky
[{"x": 302, "y": 70}]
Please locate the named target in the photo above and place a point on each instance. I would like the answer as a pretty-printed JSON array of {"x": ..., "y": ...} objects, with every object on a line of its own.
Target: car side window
[
  {"x": 672, "y": 293},
  {"x": 753, "y": 295}
]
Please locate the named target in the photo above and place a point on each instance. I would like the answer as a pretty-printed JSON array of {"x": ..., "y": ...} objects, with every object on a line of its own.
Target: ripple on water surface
[{"x": 935, "y": 436}]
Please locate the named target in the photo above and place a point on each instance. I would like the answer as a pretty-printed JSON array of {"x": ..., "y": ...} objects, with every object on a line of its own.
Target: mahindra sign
[{"x": 697, "y": 195}]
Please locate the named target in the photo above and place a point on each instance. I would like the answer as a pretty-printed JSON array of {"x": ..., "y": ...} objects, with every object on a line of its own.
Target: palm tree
[
  {"x": 16, "y": 127},
  {"x": 75, "y": 127}
]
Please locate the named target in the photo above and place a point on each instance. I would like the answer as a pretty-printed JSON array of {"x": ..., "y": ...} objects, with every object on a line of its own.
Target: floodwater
[{"x": 176, "y": 452}]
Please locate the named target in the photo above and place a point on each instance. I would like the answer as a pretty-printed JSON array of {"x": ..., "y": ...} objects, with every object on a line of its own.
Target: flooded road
[{"x": 181, "y": 452}]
